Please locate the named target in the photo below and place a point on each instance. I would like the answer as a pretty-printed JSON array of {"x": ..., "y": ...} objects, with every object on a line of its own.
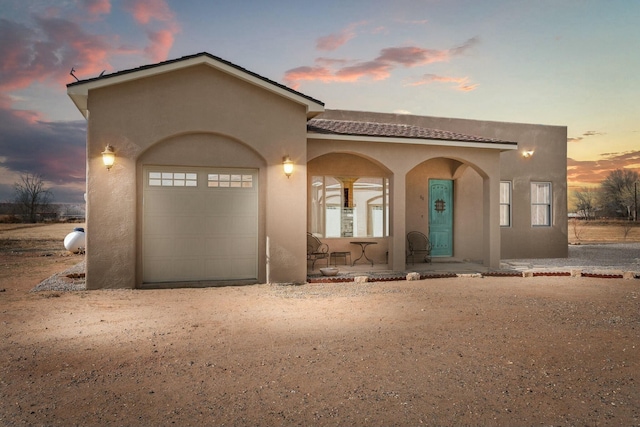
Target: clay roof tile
[{"x": 391, "y": 130}]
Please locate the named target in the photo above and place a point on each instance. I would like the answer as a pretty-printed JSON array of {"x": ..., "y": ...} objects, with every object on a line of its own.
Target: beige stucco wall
[
  {"x": 195, "y": 116},
  {"x": 468, "y": 216},
  {"x": 547, "y": 164}
]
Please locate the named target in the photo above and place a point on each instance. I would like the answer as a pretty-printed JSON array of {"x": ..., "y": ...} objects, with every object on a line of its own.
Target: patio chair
[
  {"x": 418, "y": 244},
  {"x": 316, "y": 250}
]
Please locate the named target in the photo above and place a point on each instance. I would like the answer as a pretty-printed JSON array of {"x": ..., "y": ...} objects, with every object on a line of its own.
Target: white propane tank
[{"x": 74, "y": 242}]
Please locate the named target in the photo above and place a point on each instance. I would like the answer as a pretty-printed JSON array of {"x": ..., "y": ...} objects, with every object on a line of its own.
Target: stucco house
[{"x": 198, "y": 192}]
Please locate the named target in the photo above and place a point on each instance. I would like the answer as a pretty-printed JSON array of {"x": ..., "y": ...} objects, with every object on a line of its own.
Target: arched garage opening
[{"x": 200, "y": 211}]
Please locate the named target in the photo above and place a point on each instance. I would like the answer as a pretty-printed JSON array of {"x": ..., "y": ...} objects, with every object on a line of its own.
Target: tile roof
[{"x": 391, "y": 130}]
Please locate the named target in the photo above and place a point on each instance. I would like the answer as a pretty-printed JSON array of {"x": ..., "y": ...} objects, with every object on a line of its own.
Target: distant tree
[
  {"x": 586, "y": 202},
  {"x": 31, "y": 196},
  {"x": 628, "y": 198},
  {"x": 618, "y": 192}
]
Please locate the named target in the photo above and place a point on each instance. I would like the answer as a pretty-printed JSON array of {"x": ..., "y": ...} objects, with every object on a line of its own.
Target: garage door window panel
[{"x": 173, "y": 179}]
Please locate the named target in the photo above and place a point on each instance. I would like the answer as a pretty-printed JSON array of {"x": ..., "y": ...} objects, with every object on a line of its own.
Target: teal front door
[{"x": 441, "y": 217}]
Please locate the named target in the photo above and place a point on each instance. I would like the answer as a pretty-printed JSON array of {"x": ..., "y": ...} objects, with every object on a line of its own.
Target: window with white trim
[
  {"x": 505, "y": 204},
  {"x": 541, "y": 204}
]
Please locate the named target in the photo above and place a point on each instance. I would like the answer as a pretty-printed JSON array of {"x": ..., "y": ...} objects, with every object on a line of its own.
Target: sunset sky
[{"x": 561, "y": 62}]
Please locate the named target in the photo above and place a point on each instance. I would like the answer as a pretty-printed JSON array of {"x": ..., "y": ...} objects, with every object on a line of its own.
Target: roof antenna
[
  {"x": 74, "y": 76},
  {"x": 102, "y": 73}
]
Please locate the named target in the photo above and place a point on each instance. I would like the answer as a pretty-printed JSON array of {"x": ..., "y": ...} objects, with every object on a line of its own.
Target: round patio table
[{"x": 363, "y": 247}]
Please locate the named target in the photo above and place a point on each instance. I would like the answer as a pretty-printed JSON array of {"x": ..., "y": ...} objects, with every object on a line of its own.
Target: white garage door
[{"x": 199, "y": 224}]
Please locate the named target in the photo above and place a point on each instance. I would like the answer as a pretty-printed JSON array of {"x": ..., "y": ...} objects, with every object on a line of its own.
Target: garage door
[{"x": 199, "y": 224}]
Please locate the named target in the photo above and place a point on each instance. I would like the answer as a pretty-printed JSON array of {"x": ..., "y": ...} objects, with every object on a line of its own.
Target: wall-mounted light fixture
[
  {"x": 527, "y": 154},
  {"x": 108, "y": 156},
  {"x": 287, "y": 165}
]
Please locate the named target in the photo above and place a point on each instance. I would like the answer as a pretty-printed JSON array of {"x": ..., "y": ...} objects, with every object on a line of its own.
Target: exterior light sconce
[
  {"x": 108, "y": 156},
  {"x": 287, "y": 165},
  {"x": 527, "y": 154}
]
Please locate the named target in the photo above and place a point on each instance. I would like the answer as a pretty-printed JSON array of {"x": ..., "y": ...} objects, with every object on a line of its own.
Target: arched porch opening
[
  {"x": 445, "y": 200},
  {"x": 348, "y": 200}
]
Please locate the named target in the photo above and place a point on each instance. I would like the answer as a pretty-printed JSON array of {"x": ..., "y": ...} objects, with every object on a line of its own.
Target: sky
[{"x": 572, "y": 63}]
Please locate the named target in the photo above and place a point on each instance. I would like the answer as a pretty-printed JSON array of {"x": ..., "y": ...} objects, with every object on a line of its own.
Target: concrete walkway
[
  {"x": 587, "y": 259},
  {"x": 615, "y": 256}
]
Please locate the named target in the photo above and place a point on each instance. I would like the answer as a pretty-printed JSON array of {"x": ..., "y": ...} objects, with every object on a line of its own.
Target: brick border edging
[
  {"x": 550, "y": 273},
  {"x": 503, "y": 274},
  {"x": 605, "y": 276},
  {"x": 417, "y": 276}
]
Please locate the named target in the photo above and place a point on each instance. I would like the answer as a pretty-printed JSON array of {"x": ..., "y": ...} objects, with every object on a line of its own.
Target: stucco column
[
  {"x": 111, "y": 220},
  {"x": 491, "y": 220},
  {"x": 286, "y": 222},
  {"x": 397, "y": 253}
]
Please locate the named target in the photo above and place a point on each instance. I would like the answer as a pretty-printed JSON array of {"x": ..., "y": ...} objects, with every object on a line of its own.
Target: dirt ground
[
  {"x": 456, "y": 351},
  {"x": 589, "y": 232}
]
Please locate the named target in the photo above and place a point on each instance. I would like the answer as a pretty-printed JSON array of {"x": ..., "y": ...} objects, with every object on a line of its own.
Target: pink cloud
[
  {"x": 28, "y": 116},
  {"x": 47, "y": 53},
  {"x": 161, "y": 42},
  {"x": 627, "y": 158},
  {"x": 334, "y": 41},
  {"x": 87, "y": 52},
  {"x": 584, "y": 135},
  {"x": 294, "y": 76},
  {"x": 159, "y": 22},
  {"x": 96, "y": 8},
  {"x": 411, "y": 56},
  {"x": 381, "y": 67},
  {"x": 46, "y": 50},
  {"x": 464, "y": 47},
  {"x": 462, "y": 83},
  {"x": 329, "y": 62},
  {"x": 377, "y": 70},
  {"x": 144, "y": 11},
  {"x": 595, "y": 171},
  {"x": 467, "y": 87},
  {"x": 78, "y": 10}
]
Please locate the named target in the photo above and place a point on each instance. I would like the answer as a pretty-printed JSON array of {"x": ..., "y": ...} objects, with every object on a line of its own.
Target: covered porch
[{"x": 377, "y": 182}]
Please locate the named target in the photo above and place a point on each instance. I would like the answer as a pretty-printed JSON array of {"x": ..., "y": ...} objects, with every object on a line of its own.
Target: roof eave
[
  {"x": 502, "y": 146},
  {"x": 79, "y": 91}
]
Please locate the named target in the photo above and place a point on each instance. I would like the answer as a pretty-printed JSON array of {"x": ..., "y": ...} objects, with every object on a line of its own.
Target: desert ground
[{"x": 455, "y": 351}]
